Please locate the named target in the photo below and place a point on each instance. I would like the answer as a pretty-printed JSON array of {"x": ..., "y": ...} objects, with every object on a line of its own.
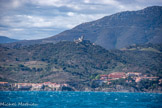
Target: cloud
[
  {"x": 42, "y": 26},
  {"x": 5, "y": 33},
  {"x": 70, "y": 14},
  {"x": 17, "y": 29},
  {"x": 57, "y": 3},
  {"x": 27, "y": 21},
  {"x": 31, "y": 19},
  {"x": 11, "y": 4}
]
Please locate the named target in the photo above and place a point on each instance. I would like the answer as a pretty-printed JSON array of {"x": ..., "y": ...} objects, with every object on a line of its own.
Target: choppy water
[{"x": 43, "y": 99}]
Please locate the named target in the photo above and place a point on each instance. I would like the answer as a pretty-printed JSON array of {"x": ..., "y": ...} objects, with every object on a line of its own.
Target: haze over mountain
[
  {"x": 116, "y": 31},
  {"x": 4, "y": 39}
]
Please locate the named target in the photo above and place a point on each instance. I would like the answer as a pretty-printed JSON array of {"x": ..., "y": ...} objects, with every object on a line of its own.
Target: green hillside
[{"x": 74, "y": 63}]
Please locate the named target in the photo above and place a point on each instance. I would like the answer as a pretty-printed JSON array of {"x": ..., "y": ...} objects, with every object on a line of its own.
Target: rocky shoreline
[
  {"x": 46, "y": 86},
  {"x": 117, "y": 88}
]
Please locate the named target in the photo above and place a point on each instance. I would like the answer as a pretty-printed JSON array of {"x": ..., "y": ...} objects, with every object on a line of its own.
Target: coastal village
[
  {"x": 46, "y": 86},
  {"x": 103, "y": 79},
  {"x": 136, "y": 76}
]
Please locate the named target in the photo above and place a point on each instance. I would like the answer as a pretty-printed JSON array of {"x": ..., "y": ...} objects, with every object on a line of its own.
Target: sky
[{"x": 37, "y": 19}]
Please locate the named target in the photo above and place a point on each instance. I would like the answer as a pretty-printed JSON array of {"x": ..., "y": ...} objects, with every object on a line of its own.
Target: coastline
[
  {"x": 48, "y": 86},
  {"x": 83, "y": 91}
]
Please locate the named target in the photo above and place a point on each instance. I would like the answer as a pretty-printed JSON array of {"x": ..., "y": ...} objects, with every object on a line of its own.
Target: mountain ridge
[
  {"x": 107, "y": 34},
  {"x": 4, "y": 39},
  {"x": 115, "y": 31}
]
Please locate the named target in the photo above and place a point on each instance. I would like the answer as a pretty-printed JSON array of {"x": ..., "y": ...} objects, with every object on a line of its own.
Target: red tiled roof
[
  {"x": 103, "y": 75},
  {"x": 116, "y": 75},
  {"x": 3, "y": 82}
]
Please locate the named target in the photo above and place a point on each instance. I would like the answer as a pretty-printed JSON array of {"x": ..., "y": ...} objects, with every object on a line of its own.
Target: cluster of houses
[
  {"x": 136, "y": 76},
  {"x": 35, "y": 86}
]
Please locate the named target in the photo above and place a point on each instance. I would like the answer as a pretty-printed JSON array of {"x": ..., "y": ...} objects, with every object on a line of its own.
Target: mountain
[
  {"x": 116, "y": 31},
  {"x": 121, "y": 29},
  {"x": 4, "y": 39},
  {"x": 77, "y": 64}
]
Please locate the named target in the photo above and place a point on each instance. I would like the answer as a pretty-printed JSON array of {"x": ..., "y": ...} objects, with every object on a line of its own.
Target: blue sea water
[{"x": 45, "y": 99}]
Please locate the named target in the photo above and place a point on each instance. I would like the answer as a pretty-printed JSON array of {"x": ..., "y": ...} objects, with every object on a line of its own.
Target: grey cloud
[{"x": 44, "y": 18}]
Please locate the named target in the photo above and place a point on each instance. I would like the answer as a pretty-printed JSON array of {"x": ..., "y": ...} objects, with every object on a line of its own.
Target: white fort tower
[{"x": 80, "y": 39}]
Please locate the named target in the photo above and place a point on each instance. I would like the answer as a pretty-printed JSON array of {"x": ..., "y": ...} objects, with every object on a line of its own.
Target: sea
[{"x": 49, "y": 99}]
